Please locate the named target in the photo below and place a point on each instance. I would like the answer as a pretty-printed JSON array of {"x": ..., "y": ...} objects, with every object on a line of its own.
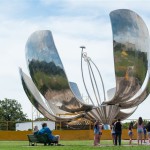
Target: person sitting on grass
[{"x": 46, "y": 130}]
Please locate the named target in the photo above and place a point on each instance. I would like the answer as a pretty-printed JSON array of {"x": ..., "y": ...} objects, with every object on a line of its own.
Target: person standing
[
  {"x": 118, "y": 132},
  {"x": 145, "y": 133},
  {"x": 113, "y": 132},
  {"x": 139, "y": 124},
  {"x": 130, "y": 132},
  {"x": 148, "y": 131},
  {"x": 96, "y": 133},
  {"x": 100, "y": 132}
]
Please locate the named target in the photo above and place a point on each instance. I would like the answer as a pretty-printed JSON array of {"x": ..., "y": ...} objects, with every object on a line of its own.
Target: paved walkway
[
  {"x": 125, "y": 143},
  {"x": 146, "y": 142}
]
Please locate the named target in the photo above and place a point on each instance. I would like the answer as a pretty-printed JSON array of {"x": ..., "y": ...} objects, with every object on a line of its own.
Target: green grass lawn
[{"x": 70, "y": 145}]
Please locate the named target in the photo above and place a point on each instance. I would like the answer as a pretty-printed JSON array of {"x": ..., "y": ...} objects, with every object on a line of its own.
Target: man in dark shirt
[{"x": 118, "y": 132}]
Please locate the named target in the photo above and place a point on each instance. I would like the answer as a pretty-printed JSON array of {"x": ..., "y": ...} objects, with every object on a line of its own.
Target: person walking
[{"x": 118, "y": 132}]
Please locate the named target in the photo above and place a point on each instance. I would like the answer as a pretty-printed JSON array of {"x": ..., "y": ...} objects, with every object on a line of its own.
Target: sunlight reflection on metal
[{"x": 62, "y": 99}]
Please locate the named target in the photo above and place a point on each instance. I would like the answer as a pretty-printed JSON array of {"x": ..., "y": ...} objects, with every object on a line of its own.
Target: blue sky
[{"x": 73, "y": 23}]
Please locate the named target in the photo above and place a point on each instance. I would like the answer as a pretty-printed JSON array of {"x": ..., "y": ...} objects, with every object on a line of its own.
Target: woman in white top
[{"x": 113, "y": 132}]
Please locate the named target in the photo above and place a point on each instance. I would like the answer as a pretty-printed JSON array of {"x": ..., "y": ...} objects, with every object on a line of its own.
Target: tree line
[{"x": 11, "y": 112}]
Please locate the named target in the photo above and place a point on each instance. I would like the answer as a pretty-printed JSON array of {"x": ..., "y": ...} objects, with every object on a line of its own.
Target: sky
[{"x": 73, "y": 23}]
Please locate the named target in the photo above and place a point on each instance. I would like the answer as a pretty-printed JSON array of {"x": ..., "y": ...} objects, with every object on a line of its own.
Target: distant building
[{"x": 28, "y": 125}]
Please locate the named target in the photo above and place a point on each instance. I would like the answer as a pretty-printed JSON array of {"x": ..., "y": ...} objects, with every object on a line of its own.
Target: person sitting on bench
[
  {"x": 35, "y": 130},
  {"x": 46, "y": 130}
]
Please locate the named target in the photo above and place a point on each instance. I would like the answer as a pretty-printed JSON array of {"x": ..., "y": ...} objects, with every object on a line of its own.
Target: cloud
[
  {"x": 73, "y": 23},
  {"x": 11, "y": 9}
]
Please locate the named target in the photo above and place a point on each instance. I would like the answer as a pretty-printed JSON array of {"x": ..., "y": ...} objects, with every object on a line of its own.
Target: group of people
[
  {"x": 116, "y": 131},
  {"x": 142, "y": 130},
  {"x": 46, "y": 130}
]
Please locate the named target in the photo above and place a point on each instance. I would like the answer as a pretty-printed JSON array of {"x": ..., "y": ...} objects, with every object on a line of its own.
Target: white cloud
[
  {"x": 11, "y": 8},
  {"x": 87, "y": 23}
]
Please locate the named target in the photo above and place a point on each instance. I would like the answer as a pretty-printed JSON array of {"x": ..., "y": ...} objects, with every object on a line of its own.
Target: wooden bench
[{"x": 34, "y": 139}]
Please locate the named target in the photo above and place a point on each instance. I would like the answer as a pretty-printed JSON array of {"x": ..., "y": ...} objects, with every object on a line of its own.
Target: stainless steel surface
[
  {"x": 93, "y": 80},
  {"x": 131, "y": 46},
  {"x": 125, "y": 113},
  {"x": 138, "y": 99},
  {"x": 48, "y": 74},
  {"x": 49, "y": 111},
  {"x": 62, "y": 99},
  {"x": 105, "y": 113}
]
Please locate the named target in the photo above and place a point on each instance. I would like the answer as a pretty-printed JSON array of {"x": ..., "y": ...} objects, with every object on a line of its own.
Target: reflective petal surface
[
  {"x": 125, "y": 113},
  {"x": 49, "y": 76},
  {"x": 53, "y": 112},
  {"x": 56, "y": 98},
  {"x": 131, "y": 46}
]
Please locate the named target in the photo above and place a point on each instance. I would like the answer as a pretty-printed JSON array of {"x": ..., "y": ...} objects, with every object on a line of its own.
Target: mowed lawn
[{"x": 71, "y": 145}]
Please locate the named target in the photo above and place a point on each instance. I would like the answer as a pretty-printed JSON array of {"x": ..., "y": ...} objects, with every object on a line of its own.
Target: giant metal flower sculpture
[{"x": 57, "y": 99}]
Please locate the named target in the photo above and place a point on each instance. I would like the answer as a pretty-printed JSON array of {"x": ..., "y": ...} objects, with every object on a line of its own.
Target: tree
[
  {"x": 41, "y": 119},
  {"x": 11, "y": 110},
  {"x": 10, "y": 113}
]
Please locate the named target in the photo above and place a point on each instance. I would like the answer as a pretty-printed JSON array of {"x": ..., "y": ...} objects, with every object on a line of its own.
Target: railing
[{"x": 11, "y": 125}]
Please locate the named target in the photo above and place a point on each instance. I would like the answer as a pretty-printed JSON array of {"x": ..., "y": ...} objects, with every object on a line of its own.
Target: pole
[{"x": 32, "y": 117}]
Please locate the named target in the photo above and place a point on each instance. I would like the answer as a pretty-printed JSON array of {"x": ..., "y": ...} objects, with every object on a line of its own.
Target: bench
[{"x": 34, "y": 139}]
